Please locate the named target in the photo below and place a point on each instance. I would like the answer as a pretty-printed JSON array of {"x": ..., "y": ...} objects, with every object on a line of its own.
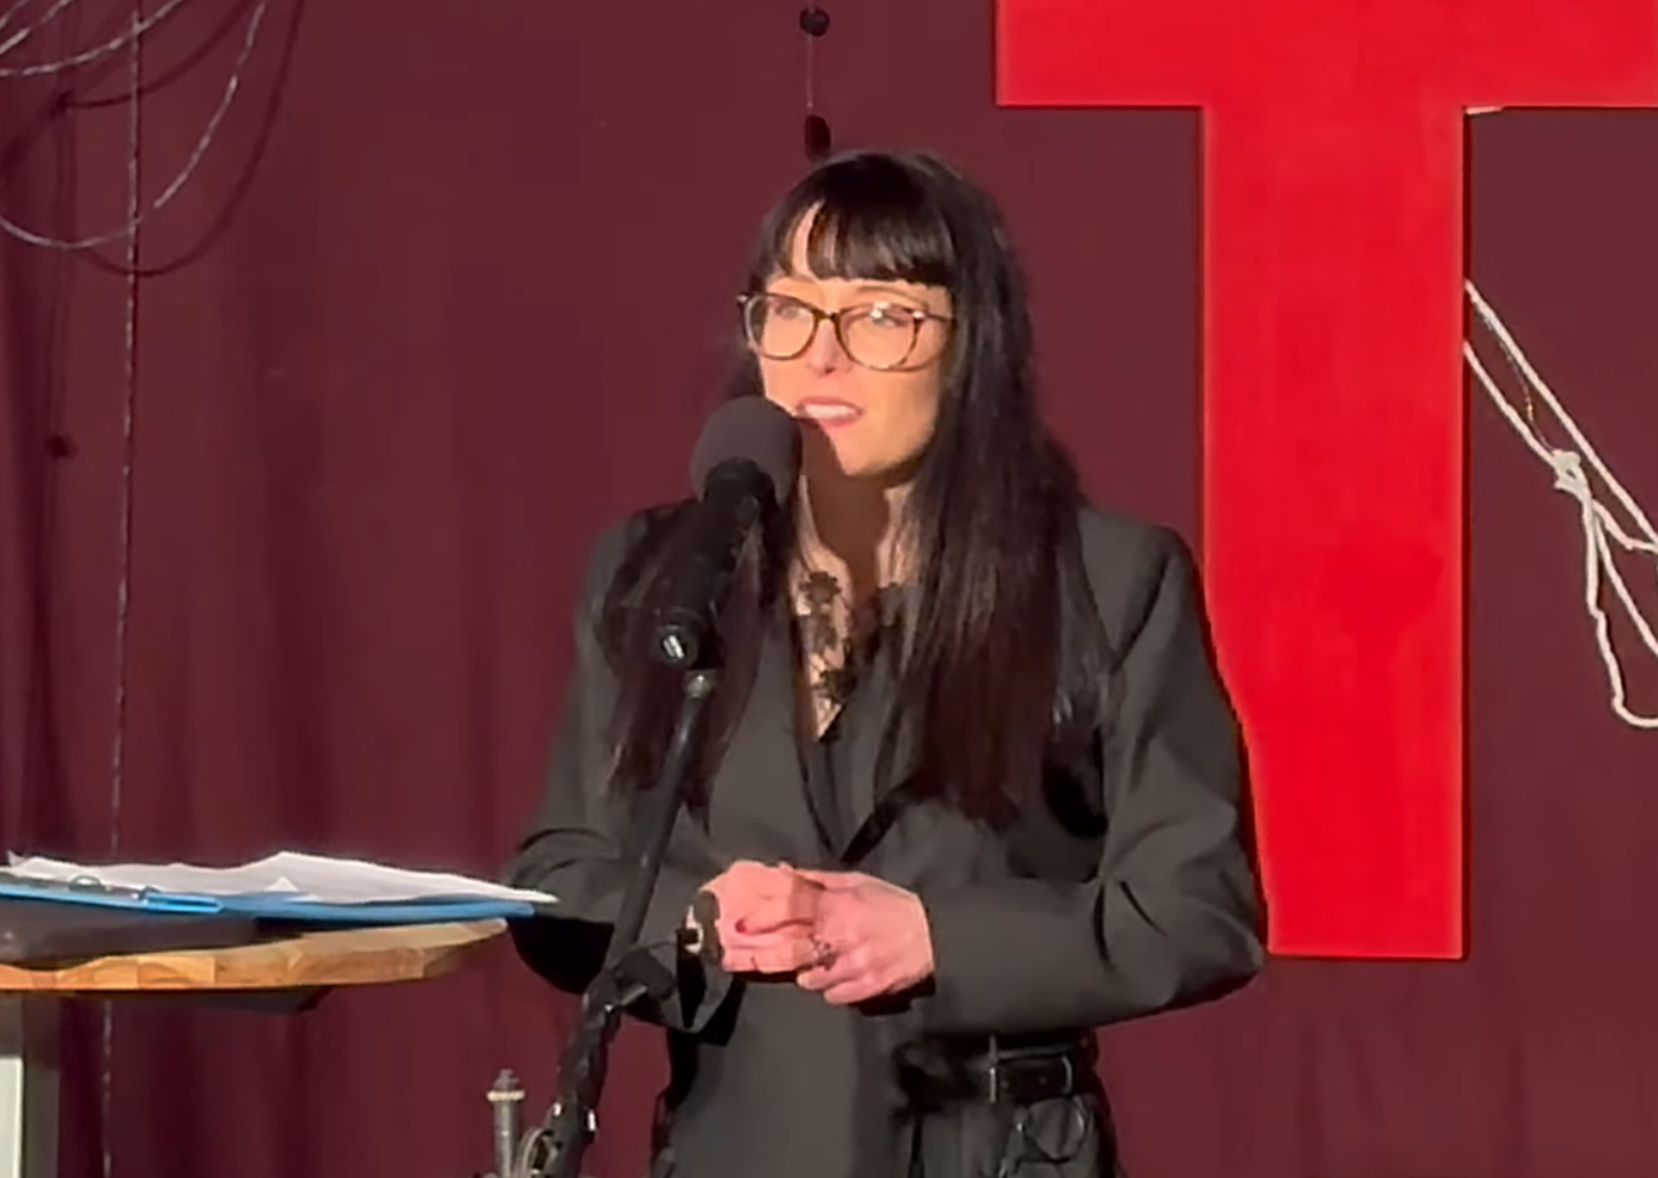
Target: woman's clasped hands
[{"x": 844, "y": 934}]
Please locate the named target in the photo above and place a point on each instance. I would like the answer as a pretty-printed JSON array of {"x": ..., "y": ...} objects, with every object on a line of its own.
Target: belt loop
[{"x": 995, "y": 1070}]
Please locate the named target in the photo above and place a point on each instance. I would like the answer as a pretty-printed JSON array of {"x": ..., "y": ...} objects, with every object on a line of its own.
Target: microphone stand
[{"x": 629, "y": 973}]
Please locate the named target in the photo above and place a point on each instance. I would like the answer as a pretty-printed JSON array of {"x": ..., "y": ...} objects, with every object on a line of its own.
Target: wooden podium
[{"x": 294, "y": 970}]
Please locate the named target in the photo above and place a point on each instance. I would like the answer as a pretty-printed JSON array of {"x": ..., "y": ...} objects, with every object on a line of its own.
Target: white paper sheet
[{"x": 291, "y": 874}]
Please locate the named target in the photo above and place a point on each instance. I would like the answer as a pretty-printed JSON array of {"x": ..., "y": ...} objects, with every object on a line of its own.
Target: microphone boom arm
[{"x": 629, "y": 973}]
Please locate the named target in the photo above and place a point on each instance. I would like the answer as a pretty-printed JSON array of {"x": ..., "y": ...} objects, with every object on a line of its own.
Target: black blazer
[{"x": 1136, "y": 895}]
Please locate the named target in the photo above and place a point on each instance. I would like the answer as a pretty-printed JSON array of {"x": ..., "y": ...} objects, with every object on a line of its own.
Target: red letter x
[{"x": 1333, "y": 445}]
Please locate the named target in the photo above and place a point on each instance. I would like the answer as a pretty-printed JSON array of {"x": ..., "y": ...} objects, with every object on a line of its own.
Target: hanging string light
[{"x": 818, "y": 139}]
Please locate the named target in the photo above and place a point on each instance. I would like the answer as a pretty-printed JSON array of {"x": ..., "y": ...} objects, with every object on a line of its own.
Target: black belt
[{"x": 1001, "y": 1070}]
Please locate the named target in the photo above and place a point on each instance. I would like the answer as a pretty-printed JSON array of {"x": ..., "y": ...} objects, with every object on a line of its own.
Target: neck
[{"x": 850, "y": 527}]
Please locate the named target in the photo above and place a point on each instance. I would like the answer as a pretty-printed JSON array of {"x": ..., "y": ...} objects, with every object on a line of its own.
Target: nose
[{"x": 825, "y": 355}]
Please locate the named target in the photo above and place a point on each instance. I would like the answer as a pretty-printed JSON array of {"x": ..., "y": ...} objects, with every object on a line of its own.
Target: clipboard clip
[{"x": 89, "y": 889}]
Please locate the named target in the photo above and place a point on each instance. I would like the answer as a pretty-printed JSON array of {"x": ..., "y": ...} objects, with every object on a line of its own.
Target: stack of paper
[{"x": 288, "y": 884}]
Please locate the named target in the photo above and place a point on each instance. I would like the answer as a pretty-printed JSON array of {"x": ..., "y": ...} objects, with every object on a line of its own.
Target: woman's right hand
[{"x": 786, "y": 901}]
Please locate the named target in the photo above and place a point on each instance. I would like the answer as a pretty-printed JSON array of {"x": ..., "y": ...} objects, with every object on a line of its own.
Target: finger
[
  {"x": 760, "y": 942},
  {"x": 786, "y": 957},
  {"x": 766, "y": 879},
  {"x": 859, "y": 989},
  {"x": 736, "y": 962},
  {"x": 753, "y": 962},
  {"x": 772, "y": 918},
  {"x": 816, "y": 978},
  {"x": 794, "y": 906},
  {"x": 838, "y": 881},
  {"x": 828, "y": 975},
  {"x": 749, "y": 879}
]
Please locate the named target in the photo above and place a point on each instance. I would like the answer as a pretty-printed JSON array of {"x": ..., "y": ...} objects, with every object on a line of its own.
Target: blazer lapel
[
  {"x": 759, "y": 802},
  {"x": 873, "y": 804}
]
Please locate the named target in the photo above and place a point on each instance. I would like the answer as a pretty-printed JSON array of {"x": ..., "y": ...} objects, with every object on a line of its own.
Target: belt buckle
[{"x": 1067, "y": 1084}]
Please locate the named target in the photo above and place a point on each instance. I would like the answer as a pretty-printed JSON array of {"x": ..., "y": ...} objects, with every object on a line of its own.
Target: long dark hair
[{"x": 1001, "y": 666}]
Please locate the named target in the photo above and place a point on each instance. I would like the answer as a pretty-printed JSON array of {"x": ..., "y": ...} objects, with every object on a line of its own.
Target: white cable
[
  {"x": 1572, "y": 471},
  {"x": 98, "y": 53},
  {"x": 250, "y": 39},
  {"x": 17, "y": 7},
  {"x": 22, "y": 35}
]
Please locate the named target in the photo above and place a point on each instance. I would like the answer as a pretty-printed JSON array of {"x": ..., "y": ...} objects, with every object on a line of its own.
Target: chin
[
  {"x": 826, "y": 459},
  {"x": 882, "y": 473},
  {"x": 839, "y": 455}
]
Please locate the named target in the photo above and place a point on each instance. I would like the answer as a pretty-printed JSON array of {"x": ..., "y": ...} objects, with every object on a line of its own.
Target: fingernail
[{"x": 742, "y": 926}]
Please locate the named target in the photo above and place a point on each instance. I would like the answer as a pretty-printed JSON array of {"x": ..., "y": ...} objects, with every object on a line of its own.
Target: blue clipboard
[{"x": 263, "y": 905}]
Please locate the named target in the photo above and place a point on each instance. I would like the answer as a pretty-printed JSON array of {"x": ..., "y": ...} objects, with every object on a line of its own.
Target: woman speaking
[{"x": 974, "y": 787}]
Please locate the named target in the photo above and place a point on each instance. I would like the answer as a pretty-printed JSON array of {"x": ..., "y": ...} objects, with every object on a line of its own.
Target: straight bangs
[{"x": 870, "y": 220}]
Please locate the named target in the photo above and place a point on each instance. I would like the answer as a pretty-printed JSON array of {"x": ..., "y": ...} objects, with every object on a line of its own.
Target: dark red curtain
[{"x": 452, "y": 288}]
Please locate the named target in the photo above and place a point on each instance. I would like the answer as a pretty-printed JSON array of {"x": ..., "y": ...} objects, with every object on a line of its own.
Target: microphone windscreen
[{"x": 749, "y": 429}]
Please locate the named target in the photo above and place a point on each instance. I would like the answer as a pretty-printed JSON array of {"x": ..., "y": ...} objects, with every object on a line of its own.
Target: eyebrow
[
  {"x": 883, "y": 289},
  {"x": 870, "y": 288}
]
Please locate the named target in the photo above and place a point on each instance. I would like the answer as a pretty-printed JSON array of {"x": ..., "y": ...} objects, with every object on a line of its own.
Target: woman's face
[{"x": 859, "y": 422}]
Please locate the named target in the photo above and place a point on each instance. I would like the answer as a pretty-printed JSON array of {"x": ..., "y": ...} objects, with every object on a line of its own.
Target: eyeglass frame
[{"x": 918, "y": 319}]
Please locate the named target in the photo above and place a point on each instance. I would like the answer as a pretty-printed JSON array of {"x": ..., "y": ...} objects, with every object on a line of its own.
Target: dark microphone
[{"x": 744, "y": 464}]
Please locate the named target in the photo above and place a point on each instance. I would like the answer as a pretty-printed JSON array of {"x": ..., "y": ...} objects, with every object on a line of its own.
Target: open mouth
[{"x": 828, "y": 413}]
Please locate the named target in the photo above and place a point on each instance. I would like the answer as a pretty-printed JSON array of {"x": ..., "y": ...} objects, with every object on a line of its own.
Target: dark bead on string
[
  {"x": 818, "y": 139},
  {"x": 814, "y": 22}
]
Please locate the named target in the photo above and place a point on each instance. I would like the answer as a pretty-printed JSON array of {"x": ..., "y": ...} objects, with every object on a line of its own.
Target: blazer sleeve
[
  {"x": 574, "y": 848},
  {"x": 1174, "y": 915}
]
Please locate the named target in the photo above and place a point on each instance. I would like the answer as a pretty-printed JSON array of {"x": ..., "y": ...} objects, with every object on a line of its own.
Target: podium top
[{"x": 309, "y": 960}]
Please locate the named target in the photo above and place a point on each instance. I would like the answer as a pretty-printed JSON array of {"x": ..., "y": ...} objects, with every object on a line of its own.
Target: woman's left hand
[{"x": 871, "y": 938}]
